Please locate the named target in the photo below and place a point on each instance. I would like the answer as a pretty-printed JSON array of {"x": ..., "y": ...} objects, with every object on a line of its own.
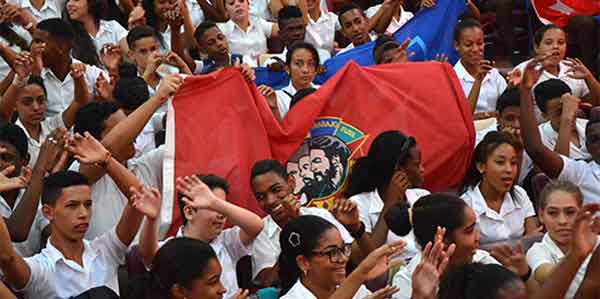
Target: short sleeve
[
  {"x": 501, "y": 84},
  {"x": 362, "y": 292},
  {"x": 234, "y": 245},
  {"x": 110, "y": 247},
  {"x": 338, "y": 26},
  {"x": 573, "y": 171},
  {"x": 525, "y": 202},
  {"x": 264, "y": 253},
  {"x": 265, "y": 26},
  {"x": 372, "y": 11},
  {"x": 537, "y": 255},
  {"x": 39, "y": 275},
  {"x": 148, "y": 167},
  {"x": 585, "y": 90},
  {"x": 119, "y": 30}
]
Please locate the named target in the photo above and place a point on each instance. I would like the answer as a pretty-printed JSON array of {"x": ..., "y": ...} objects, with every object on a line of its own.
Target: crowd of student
[{"x": 84, "y": 86}]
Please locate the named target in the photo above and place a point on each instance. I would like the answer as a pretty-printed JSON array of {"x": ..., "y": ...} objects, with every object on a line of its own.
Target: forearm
[
  {"x": 5, "y": 293},
  {"x": 126, "y": 6},
  {"x": 380, "y": 231},
  {"x": 179, "y": 49},
  {"x": 211, "y": 13},
  {"x": 558, "y": 282},
  {"x": 81, "y": 97},
  {"x": 474, "y": 95},
  {"x": 6, "y": 82},
  {"x": 9, "y": 56},
  {"x": 385, "y": 18},
  {"x": 361, "y": 248},
  {"x": 13, "y": 266},
  {"x": 149, "y": 241},
  {"x": 123, "y": 178},
  {"x": 20, "y": 221},
  {"x": 250, "y": 224},
  {"x": 349, "y": 286},
  {"x": 594, "y": 87},
  {"x": 475, "y": 13},
  {"x": 564, "y": 135},
  {"x": 529, "y": 130},
  {"x": 8, "y": 102}
]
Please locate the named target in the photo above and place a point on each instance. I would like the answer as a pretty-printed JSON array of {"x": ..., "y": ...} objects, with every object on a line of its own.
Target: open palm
[
  {"x": 87, "y": 149},
  {"x": 147, "y": 202}
]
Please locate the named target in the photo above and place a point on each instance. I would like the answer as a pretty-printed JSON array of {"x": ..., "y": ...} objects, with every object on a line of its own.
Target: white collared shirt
[
  {"x": 403, "y": 278},
  {"x": 20, "y": 31},
  {"x": 321, "y": 33},
  {"x": 578, "y": 86},
  {"x": 351, "y": 45},
  {"x": 547, "y": 252},
  {"x": 370, "y": 206},
  {"x": 583, "y": 174},
  {"x": 492, "y": 86},
  {"x": 53, "y": 276},
  {"x": 395, "y": 24},
  {"x": 284, "y": 98},
  {"x": 109, "y": 32},
  {"x": 299, "y": 291},
  {"x": 32, "y": 245},
  {"x": 260, "y": 9},
  {"x": 266, "y": 247},
  {"x": 196, "y": 12},
  {"x": 229, "y": 249},
  {"x": 60, "y": 94},
  {"x": 323, "y": 55},
  {"x": 47, "y": 126},
  {"x": 509, "y": 223},
  {"x": 50, "y": 9},
  {"x": 109, "y": 202},
  {"x": 550, "y": 138},
  {"x": 252, "y": 42}
]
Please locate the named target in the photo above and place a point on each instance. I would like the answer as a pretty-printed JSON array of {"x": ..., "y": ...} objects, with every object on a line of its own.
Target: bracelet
[
  {"x": 525, "y": 277},
  {"x": 28, "y": 26},
  {"x": 104, "y": 163},
  {"x": 358, "y": 233}
]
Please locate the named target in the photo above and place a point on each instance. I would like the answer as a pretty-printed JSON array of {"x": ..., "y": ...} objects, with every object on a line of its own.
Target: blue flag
[{"x": 431, "y": 32}]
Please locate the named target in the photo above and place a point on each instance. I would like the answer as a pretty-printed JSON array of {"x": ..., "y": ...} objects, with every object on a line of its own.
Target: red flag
[
  {"x": 220, "y": 124},
  {"x": 560, "y": 11}
]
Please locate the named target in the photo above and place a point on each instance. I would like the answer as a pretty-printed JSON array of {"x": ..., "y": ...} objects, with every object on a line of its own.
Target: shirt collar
[
  {"x": 270, "y": 226},
  {"x": 480, "y": 207},
  {"x": 48, "y": 4},
  {"x": 300, "y": 291},
  {"x": 54, "y": 255},
  {"x": 552, "y": 248}
]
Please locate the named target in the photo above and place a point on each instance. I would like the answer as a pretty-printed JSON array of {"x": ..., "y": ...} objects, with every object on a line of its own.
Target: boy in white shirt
[{"x": 204, "y": 209}]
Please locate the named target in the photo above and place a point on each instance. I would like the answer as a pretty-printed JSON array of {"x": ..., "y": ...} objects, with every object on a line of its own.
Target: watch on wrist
[{"x": 357, "y": 234}]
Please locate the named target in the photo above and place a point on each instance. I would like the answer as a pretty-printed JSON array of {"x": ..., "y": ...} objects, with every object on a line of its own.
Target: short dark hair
[
  {"x": 509, "y": 98},
  {"x": 464, "y": 25},
  {"x": 131, "y": 92},
  {"x": 348, "y": 7},
  {"x": 56, "y": 182},
  {"x": 549, "y": 90},
  {"x": 302, "y": 45},
  {"x": 212, "y": 181},
  {"x": 57, "y": 28},
  {"x": 539, "y": 34},
  {"x": 202, "y": 28},
  {"x": 288, "y": 12},
  {"x": 383, "y": 44},
  {"x": 140, "y": 32},
  {"x": 91, "y": 117},
  {"x": 13, "y": 135},
  {"x": 265, "y": 166}
]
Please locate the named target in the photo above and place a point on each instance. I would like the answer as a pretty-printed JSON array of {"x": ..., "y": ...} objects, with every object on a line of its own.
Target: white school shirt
[
  {"x": 284, "y": 99},
  {"x": 60, "y": 94},
  {"x": 20, "y": 31},
  {"x": 299, "y": 291},
  {"x": 403, "y": 278},
  {"x": 395, "y": 24},
  {"x": 196, "y": 12},
  {"x": 323, "y": 55},
  {"x": 266, "y": 247},
  {"x": 370, "y": 206},
  {"x": 260, "y": 9},
  {"x": 547, "y": 252},
  {"x": 108, "y": 202},
  {"x": 351, "y": 45},
  {"x": 50, "y": 9},
  {"x": 47, "y": 126},
  {"x": 145, "y": 142},
  {"x": 492, "y": 86},
  {"x": 578, "y": 86},
  {"x": 586, "y": 175},
  {"x": 55, "y": 277},
  {"x": 550, "y": 138},
  {"x": 509, "y": 223},
  {"x": 109, "y": 32},
  {"x": 252, "y": 42},
  {"x": 30, "y": 246},
  {"x": 321, "y": 33},
  {"x": 229, "y": 249}
]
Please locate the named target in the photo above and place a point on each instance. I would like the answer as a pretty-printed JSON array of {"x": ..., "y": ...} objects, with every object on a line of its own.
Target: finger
[
  {"x": 427, "y": 251},
  {"x": 8, "y": 170},
  {"x": 405, "y": 44}
]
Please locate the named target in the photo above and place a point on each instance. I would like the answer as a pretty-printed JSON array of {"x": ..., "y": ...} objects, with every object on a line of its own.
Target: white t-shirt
[
  {"x": 266, "y": 247},
  {"x": 583, "y": 174},
  {"x": 547, "y": 252},
  {"x": 50, "y": 9},
  {"x": 321, "y": 33},
  {"x": 109, "y": 32},
  {"x": 550, "y": 138},
  {"x": 492, "y": 86},
  {"x": 509, "y": 223},
  {"x": 395, "y": 24},
  {"x": 370, "y": 206},
  {"x": 299, "y": 291},
  {"x": 284, "y": 98},
  {"x": 403, "y": 278},
  {"x": 55, "y": 277},
  {"x": 48, "y": 125},
  {"x": 229, "y": 249},
  {"x": 32, "y": 245},
  {"x": 252, "y": 42}
]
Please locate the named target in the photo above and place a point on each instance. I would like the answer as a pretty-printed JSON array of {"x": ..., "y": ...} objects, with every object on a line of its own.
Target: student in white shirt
[
  {"x": 391, "y": 173},
  {"x": 551, "y": 40},
  {"x": 503, "y": 209},
  {"x": 586, "y": 175},
  {"x": 167, "y": 279},
  {"x": 69, "y": 266},
  {"x": 273, "y": 189},
  {"x": 355, "y": 26},
  {"x": 481, "y": 82},
  {"x": 399, "y": 15},
  {"x": 549, "y": 99},
  {"x": 313, "y": 259},
  {"x": 444, "y": 217},
  {"x": 321, "y": 27},
  {"x": 560, "y": 201},
  {"x": 247, "y": 36},
  {"x": 28, "y": 95},
  {"x": 42, "y": 10},
  {"x": 302, "y": 63},
  {"x": 204, "y": 209}
]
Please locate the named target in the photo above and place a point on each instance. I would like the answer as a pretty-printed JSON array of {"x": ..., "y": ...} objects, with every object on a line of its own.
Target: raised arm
[
  {"x": 22, "y": 67},
  {"x": 199, "y": 196},
  {"x": 81, "y": 94},
  {"x": 578, "y": 70},
  {"x": 549, "y": 161},
  {"x": 5, "y": 293},
  {"x": 483, "y": 69},
  {"x": 395, "y": 192},
  {"x": 346, "y": 212},
  {"x": 567, "y": 122},
  {"x": 149, "y": 203},
  {"x": 211, "y": 12},
  {"x": 12, "y": 264},
  {"x": 381, "y": 20}
]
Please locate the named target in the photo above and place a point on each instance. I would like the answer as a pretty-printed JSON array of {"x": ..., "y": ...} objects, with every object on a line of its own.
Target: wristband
[
  {"x": 525, "y": 277},
  {"x": 358, "y": 233}
]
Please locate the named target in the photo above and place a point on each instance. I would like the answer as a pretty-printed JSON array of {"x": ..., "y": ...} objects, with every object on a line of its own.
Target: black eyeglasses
[{"x": 336, "y": 254}]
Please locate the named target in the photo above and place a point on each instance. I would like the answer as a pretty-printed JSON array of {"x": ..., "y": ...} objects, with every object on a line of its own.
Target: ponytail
[
  {"x": 474, "y": 281},
  {"x": 299, "y": 237}
]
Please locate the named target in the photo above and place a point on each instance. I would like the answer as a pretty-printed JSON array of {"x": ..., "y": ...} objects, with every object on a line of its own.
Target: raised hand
[
  {"x": 77, "y": 71},
  {"x": 291, "y": 206},
  {"x": 169, "y": 86},
  {"x": 137, "y": 17},
  {"x": 246, "y": 70},
  {"x": 11, "y": 183},
  {"x": 196, "y": 194},
  {"x": 513, "y": 258},
  {"x": 577, "y": 70},
  {"x": 533, "y": 71},
  {"x": 346, "y": 212},
  {"x": 269, "y": 95},
  {"x": 23, "y": 65},
  {"x": 397, "y": 188},
  {"x": 441, "y": 58},
  {"x": 88, "y": 150},
  {"x": 380, "y": 260},
  {"x": 37, "y": 51},
  {"x": 434, "y": 260},
  {"x": 514, "y": 78},
  {"x": 400, "y": 55},
  {"x": 427, "y": 3},
  {"x": 110, "y": 54},
  {"x": 147, "y": 202},
  {"x": 514, "y": 135},
  {"x": 174, "y": 18},
  {"x": 585, "y": 230},
  {"x": 241, "y": 294},
  {"x": 570, "y": 104},
  {"x": 484, "y": 67},
  {"x": 51, "y": 150},
  {"x": 384, "y": 293},
  {"x": 104, "y": 88}
]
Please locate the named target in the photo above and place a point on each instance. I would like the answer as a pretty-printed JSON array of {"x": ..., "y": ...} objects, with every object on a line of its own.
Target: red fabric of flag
[{"x": 560, "y": 11}]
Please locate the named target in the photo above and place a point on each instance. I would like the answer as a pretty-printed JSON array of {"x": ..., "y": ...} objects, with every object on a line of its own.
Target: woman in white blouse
[
  {"x": 559, "y": 203},
  {"x": 503, "y": 209},
  {"x": 481, "y": 82}
]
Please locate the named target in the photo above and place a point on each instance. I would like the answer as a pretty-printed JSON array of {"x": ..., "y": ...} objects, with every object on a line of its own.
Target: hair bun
[{"x": 398, "y": 219}]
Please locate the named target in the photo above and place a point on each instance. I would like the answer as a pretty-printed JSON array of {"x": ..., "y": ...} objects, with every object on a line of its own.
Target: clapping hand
[
  {"x": 23, "y": 65},
  {"x": 585, "y": 230},
  {"x": 434, "y": 260},
  {"x": 577, "y": 70},
  {"x": 346, "y": 212},
  {"x": 110, "y": 54},
  {"x": 11, "y": 183},
  {"x": 53, "y": 156},
  {"x": 381, "y": 260},
  {"x": 513, "y": 258}
]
